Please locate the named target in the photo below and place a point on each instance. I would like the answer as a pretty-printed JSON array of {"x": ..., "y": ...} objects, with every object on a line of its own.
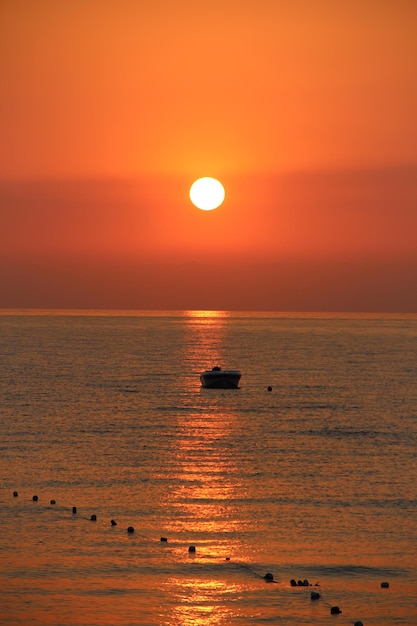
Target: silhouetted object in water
[{"x": 220, "y": 379}]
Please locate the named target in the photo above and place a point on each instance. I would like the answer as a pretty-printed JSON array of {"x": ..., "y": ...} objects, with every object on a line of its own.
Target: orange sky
[{"x": 305, "y": 109}]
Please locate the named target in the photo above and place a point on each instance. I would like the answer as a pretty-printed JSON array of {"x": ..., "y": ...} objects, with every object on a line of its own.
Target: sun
[{"x": 207, "y": 193}]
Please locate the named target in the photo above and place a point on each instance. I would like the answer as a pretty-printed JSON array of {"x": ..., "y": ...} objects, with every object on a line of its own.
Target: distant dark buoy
[
  {"x": 228, "y": 558},
  {"x": 385, "y": 585},
  {"x": 306, "y": 583},
  {"x": 15, "y": 494},
  {"x": 130, "y": 529},
  {"x": 93, "y": 518},
  {"x": 74, "y": 510},
  {"x": 269, "y": 388},
  {"x": 314, "y": 595},
  {"x": 164, "y": 539},
  {"x": 191, "y": 549},
  {"x": 113, "y": 523},
  {"x": 293, "y": 582},
  {"x": 269, "y": 578},
  {"x": 358, "y": 623},
  {"x": 300, "y": 583},
  {"x": 35, "y": 498},
  {"x": 334, "y": 610},
  {"x": 53, "y": 501}
]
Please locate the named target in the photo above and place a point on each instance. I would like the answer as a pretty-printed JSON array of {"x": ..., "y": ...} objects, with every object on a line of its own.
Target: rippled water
[{"x": 315, "y": 480}]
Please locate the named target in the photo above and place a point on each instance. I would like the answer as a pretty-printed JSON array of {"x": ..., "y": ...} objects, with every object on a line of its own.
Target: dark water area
[{"x": 315, "y": 480}]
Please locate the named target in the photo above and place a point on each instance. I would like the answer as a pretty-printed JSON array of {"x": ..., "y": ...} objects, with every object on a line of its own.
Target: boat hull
[{"x": 225, "y": 379}]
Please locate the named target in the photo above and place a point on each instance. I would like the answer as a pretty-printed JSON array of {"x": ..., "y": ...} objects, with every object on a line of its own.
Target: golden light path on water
[{"x": 203, "y": 501}]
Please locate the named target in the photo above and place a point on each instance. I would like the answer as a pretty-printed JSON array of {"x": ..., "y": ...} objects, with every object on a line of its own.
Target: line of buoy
[{"x": 268, "y": 577}]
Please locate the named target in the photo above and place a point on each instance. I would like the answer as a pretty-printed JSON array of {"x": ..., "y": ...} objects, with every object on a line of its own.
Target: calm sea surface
[{"x": 315, "y": 480}]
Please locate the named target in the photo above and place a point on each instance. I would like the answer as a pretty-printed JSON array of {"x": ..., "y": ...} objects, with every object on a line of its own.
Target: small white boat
[{"x": 217, "y": 378}]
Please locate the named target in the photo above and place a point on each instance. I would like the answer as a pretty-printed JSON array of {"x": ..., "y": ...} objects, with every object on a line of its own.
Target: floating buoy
[
  {"x": 293, "y": 582},
  {"x": 35, "y": 498},
  {"x": 227, "y": 558},
  {"x": 191, "y": 549},
  {"x": 334, "y": 610},
  {"x": 269, "y": 578},
  {"x": 113, "y": 523},
  {"x": 15, "y": 494},
  {"x": 269, "y": 388},
  {"x": 93, "y": 518},
  {"x": 385, "y": 585},
  {"x": 358, "y": 623},
  {"x": 164, "y": 539},
  {"x": 300, "y": 583},
  {"x": 74, "y": 510},
  {"x": 130, "y": 529},
  {"x": 53, "y": 501},
  {"x": 306, "y": 583},
  {"x": 314, "y": 595}
]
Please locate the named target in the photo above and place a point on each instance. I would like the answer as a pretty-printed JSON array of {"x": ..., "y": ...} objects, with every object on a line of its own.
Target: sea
[{"x": 132, "y": 496}]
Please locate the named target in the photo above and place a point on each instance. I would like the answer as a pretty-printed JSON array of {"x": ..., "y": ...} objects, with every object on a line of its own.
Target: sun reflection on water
[
  {"x": 203, "y": 601},
  {"x": 206, "y": 486}
]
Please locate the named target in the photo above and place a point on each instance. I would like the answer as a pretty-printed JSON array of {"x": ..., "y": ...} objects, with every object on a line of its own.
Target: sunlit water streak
[{"x": 315, "y": 480}]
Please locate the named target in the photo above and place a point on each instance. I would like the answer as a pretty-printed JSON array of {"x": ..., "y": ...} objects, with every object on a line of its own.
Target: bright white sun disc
[{"x": 207, "y": 193}]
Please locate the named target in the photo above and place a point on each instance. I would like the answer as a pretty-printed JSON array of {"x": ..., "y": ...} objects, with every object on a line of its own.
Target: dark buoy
[
  {"x": 53, "y": 501},
  {"x": 74, "y": 510},
  {"x": 306, "y": 583},
  {"x": 227, "y": 558},
  {"x": 130, "y": 529},
  {"x": 314, "y": 595},
  {"x": 35, "y": 498},
  {"x": 269, "y": 388},
  {"x": 15, "y": 494},
  {"x": 191, "y": 549},
  {"x": 358, "y": 623},
  {"x": 300, "y": 583},
  {"x": 293, "y": 582},
  {"x": 385, "y": 585},
  {"x": 269, "y": 578},
  {"x": 334, "y": 610},
  {"x": 113, "y": 523},
  {"x": 164, "y": 539},
  {"x": 93, "y": 518}
]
